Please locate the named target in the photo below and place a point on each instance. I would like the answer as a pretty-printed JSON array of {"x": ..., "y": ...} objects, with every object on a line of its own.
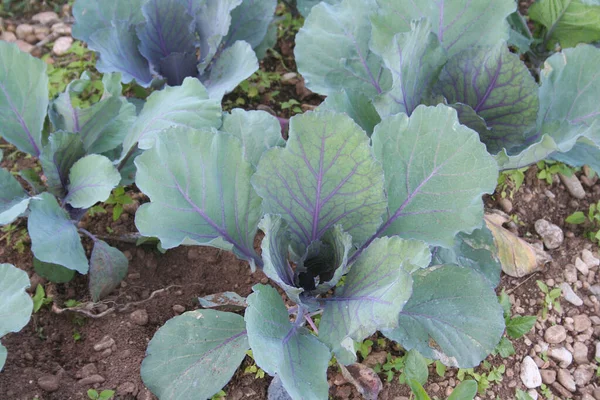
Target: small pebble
[
  {"x": 555, "y": 334},
  {"x": 570, "y": 295},
  {"x": 573, "y": 186},
  {"x": 565, "y": 379},
  {"x": 49, "y": 383},
  {"x": 530, "y": 373},
  {"x": 91, "y": 380},
  {"x": 139, "y": 317},
  {"x": 179, "y": 309}
]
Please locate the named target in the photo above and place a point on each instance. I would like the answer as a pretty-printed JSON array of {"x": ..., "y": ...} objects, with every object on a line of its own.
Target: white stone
[
  {"x": 561, "y": 355},
  {"x": 8, "y": 37},
  {"x": 533, "y": 394},
  {"x": 530, "y": 373},
  {"x": 570, "y": 295},
  {"x": 597, "y": 350},
  {"x": 61, "y": 29},
  {"x": 62, "y": 45},
  {"x": 551, "y": 234},
  {"x": 24, "y": 46},
  {"x": 589, "y": 258},
  {"x": 45, "y": 17},
  {"x": 581, "y": 266},
  {"x": 570, "y": 273},
  {"x": 23, "y": 31},
  {"x": 580, "y": 352},
  {"x": 565, "y": 379}
]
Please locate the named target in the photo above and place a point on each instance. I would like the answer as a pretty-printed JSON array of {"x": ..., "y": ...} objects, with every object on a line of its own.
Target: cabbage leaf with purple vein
[
  {"x": 85, "y": 152},
  {"x": 332, "y": 206},
  {"x": 435, "y": 51},
  {"x": 169, "y": 40}
]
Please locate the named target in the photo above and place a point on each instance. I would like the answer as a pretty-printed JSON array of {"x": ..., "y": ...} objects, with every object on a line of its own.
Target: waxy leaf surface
[
  {"x": 568, "y": 22},
  {"x": 497, "y": 85},
  {"x": 415, "y": 59},
  {"x": 235, "y": 64},
  {"x": 325, "y": 176},
  {"x": 436, "y": 171},
  {"x": 185, "y": 106},
  {"x": 168, "y": 29},
  {"x": 257, "y": 130},
  {"x": 200, "y": 192},
  {"x": 118, "y": 47},
  {"x": 63, "y": 150},
  {"x": 458, "y": 24},
  {"x": 453, "y": 315},
  {"x": 374, "y": 292},
  {"x": 15, "y": 303},
  {"x": 13, "y": 198},
  {"x": 250, "y": 22},
  {"x": 101, "y": 126},
  {"x": 23, "y": 98},
  {"x": 332, "y": 50},
  {"x": 108, "y": 267},
  {"x": 194, "y": 355},
  {"x": 290, "y": 351},
  {"x": 476, "y": 250},
  {"x": 54, "y": 237},
  {"x": 91, "y": 180},
  {"x": 358, "y": 107}
]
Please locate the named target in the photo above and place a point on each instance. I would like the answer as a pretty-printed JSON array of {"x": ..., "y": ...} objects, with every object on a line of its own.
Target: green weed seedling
[
  {"x": 104, "y": 395},
  {"x": 591, "y": 221},
  {"x": 551, "y": 299},
  {"x": 516, "y": 327},
  {"x": 522, "y": 395},
  {"x": 39, "y": 299},
  {"x": 118, "y": 198},
  {"x": 509, "y": 182},
  {"x": 547, "y": 170},
  {"x": 220, "y": 395},
  {"x": 253, "y": 369}
]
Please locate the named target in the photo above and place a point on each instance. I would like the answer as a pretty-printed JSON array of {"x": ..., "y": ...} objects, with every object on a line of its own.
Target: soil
[{"x": 62, "y": 343}]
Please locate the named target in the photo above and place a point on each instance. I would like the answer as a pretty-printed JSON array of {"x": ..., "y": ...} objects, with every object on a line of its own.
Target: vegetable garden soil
[{"x": 60, "y": 344}]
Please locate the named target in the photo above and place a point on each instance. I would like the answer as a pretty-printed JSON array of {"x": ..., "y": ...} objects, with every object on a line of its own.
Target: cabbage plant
[
  {"x": 216, "y": 41},
  {"x": 361, "y": 231},
  {"x": 377, "y": 58},
  {"x": 84, "y": 154},
  {"x": 15, "y": 304}
]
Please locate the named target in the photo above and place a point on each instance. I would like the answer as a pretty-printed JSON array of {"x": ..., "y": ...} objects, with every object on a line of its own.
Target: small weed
[
  {"x": 547, "y": 170},
  {"x": 516, "y": 327},
  {"x": 292, "y": 105},
  {"x": 546, "y": 392},
  {"x": 591, "y": 221},
  {"x": 104, "y": 395},
  {"x": 118, "y": 198},
  {"x": 509, "y": 182},
  {"x": 221, "y": 395},
  {"x": 253, "y": 369},
  {"x": 364, "y": 348},
  {"x": 39, "y": 299},
  {"x": 522, "y": 395},
  {"x": 486, "y": 379},
  {"x": 551, "y": 299},
  {"x": 76, "y": 335}
]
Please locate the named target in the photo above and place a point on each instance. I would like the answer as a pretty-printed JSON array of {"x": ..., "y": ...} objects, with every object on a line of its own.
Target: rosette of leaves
[
  {"x": 348, "y": 223},
  {"x": 215, "y": 41},
  {"x": 15, "y": 304},
  {"x": 84, "y": 154},
  {"x": 377, "y": 58}
]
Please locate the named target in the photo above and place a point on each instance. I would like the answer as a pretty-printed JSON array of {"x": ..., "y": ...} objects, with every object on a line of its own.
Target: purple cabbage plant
[
  {"x": 84, "y": 153},
  {"x": 377, "y": 58},
  {"x": 381, "y": 233},
  {"x": 215, "y": 41}
]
